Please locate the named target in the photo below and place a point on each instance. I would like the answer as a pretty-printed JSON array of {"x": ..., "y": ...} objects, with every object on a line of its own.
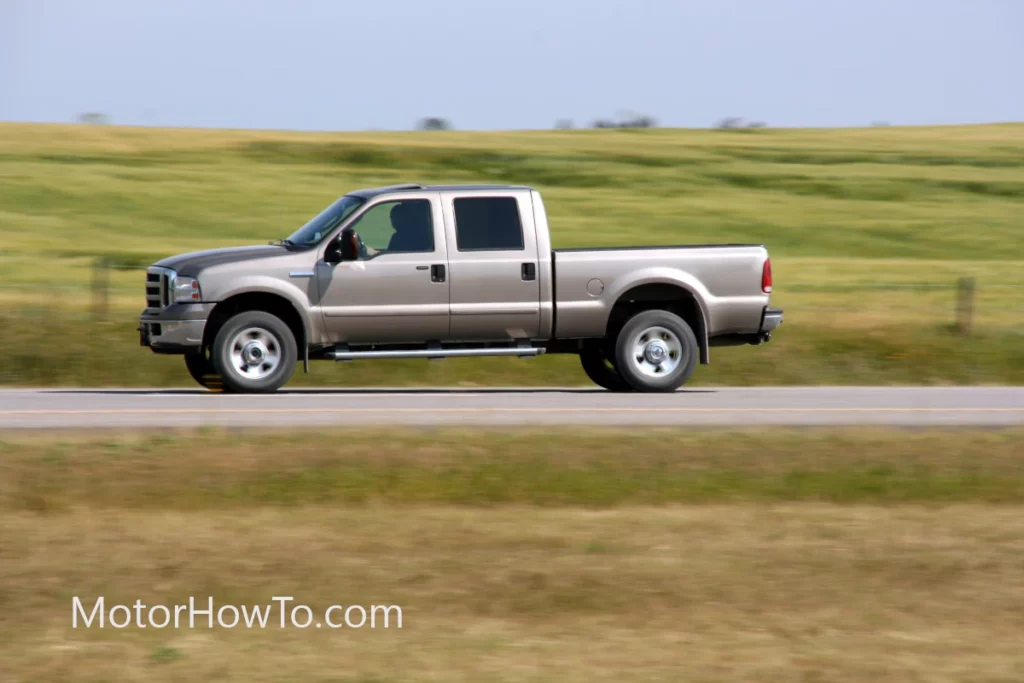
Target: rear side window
[{"x": 488, "y": 224}]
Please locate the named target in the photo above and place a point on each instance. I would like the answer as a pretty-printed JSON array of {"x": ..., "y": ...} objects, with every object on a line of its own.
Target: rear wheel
[
  {"x": 600, "y": 370},
  {"x": 254, "y": 353},
  {"x": 202, "y": 371},
  {"x": 656, "y": 351}
]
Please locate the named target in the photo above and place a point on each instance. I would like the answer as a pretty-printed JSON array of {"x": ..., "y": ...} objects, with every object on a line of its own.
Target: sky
[{"x": 511, "y": 64}]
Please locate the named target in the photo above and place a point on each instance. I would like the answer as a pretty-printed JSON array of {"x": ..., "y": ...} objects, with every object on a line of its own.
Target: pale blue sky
[{"x": 344, "y": 65}]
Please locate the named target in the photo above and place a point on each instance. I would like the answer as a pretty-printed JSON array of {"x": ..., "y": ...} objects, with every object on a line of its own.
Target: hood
[{"x": 193, "y": 263}]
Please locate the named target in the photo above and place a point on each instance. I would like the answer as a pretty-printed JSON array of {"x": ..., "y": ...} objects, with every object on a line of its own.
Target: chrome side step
[{"x": 522, "y": 351}]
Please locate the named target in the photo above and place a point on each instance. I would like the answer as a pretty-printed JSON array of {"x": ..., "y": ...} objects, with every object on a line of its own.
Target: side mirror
[
  {"x": 344, "y": 248},
  {"x": 348, "y": 245},
  {"x": 332, "y": 254}
]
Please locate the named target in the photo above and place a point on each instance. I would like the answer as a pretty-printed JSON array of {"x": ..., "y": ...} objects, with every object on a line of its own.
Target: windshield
[{"x": 312, "y": 232}]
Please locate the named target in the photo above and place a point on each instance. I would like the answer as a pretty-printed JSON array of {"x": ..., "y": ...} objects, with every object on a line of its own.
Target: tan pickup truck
[{"x": 413, "y": 271}]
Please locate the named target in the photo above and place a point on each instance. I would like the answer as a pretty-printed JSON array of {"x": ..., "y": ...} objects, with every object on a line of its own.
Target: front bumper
[{"x": 175, "y": 329}]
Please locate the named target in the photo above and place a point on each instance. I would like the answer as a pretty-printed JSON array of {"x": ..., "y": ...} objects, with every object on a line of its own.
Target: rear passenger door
[{"x": 492, "y": 256}]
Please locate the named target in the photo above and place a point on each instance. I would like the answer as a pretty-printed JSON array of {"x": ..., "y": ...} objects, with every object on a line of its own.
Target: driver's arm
[{"x": 361, "y": 248}]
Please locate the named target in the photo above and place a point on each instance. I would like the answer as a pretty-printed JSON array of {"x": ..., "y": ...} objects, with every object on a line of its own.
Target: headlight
[{"x": 185, "y": 289}]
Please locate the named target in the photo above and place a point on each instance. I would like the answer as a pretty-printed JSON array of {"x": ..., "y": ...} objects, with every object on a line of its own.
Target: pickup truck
[{"x": 414, "y": 271}]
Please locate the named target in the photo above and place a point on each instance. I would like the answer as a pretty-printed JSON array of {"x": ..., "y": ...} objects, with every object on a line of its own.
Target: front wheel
[
  {"x": 656, "y": 351},
  {"x": 203, "y": 372},
  {"x": 600, "y": 370},
  {"x": 254, "y": 353}
]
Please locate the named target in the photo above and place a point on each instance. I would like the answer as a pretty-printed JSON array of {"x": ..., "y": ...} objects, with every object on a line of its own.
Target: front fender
[{"x": 300, "y": 297}]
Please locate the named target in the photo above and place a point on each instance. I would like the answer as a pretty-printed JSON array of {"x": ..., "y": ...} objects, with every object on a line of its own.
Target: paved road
[{"x": 908, "y": 406}]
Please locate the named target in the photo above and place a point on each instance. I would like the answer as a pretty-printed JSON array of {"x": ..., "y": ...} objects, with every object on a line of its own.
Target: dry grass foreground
[
  {"x": 770, "y": 555},
  {"x": 760, "y": 593}
]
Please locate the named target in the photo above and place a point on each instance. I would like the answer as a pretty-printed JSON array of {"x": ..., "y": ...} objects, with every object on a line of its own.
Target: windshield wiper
[{"x": 284, "y": 243}]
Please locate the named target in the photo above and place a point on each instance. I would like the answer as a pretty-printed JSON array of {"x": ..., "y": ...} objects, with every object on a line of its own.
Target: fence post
[
  {"x": 965, "y": 305},
  {"x": 100, "y": 288}
]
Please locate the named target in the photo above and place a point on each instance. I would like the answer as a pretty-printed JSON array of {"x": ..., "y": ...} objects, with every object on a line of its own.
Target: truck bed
[
  {"x": 571, "y": 250},
  {"x": 725, "y": 279}
]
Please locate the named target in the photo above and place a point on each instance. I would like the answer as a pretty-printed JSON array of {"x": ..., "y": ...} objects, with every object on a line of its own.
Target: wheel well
[
  {"x": 256, "y": 301},
  {"x": 665, "y": 297}
]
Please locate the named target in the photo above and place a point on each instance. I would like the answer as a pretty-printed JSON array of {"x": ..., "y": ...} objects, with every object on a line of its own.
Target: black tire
[
  {"x": 203, "y": 372},
  {"x": 254, "y": 353},
  {"x": 600, "y": 370},
  {"x": 639, "y": 342}
]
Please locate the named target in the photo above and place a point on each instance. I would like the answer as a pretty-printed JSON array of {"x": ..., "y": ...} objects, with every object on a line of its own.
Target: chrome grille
[{"x": 158, "y": 294}]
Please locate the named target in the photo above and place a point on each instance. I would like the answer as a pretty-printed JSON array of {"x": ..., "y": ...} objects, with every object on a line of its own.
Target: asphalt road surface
[{"x": 905, "y": 406}]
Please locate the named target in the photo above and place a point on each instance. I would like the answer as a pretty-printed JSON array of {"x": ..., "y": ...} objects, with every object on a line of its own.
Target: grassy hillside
[
  {"x": 878, "y": 193},
  {"x": 845, "y": 213}
]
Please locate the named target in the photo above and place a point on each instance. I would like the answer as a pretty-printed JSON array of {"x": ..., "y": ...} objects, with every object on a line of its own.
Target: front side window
[
  {"x": 403, "y": 227},
  {"x": 488, "y": 224}
]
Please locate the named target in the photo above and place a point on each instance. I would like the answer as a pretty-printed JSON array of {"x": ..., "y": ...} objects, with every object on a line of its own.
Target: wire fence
[{"x": 103, "y": 285}]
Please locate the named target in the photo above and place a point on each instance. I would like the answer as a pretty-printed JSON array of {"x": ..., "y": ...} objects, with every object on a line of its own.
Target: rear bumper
[
  {"x": 770, "y": 319},
  {"x": 176, "y": 329}
]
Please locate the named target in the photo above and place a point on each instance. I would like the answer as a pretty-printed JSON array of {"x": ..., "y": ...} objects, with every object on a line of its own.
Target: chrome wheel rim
[
  {"x": 657, "y": 352},
  {"x": 255, "y": 353}
]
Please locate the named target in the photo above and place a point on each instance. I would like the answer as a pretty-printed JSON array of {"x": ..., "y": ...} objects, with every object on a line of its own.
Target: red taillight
[{"x": 766, "y": 277}]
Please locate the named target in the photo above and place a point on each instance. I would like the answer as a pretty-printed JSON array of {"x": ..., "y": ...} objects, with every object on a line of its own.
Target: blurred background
[
  {"x": 823, "y": 130},
  {"x": 876, "y": 148}
]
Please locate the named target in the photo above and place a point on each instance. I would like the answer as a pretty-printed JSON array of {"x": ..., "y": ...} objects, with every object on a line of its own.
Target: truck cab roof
[{"x": 416, "y": 187}]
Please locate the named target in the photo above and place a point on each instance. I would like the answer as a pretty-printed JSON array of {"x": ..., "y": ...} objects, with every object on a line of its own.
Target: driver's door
[{"x": 389, "y": 296}]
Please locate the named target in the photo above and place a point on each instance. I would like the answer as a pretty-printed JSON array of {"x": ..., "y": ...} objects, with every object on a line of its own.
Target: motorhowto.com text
[{"x": 283, "y": 612}]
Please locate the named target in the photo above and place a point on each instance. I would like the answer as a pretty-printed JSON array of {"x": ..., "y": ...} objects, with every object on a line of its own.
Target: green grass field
[
  {"x": 218, "y": 469},
  {"x": 846, "y": 214}
]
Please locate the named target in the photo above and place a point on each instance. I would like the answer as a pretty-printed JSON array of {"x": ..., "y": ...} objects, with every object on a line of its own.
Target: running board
[{"x": 523, "y": 352}]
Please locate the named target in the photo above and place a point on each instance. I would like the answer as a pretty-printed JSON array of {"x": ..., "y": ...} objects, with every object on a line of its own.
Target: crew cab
[{"x": 414, "y": 271}]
